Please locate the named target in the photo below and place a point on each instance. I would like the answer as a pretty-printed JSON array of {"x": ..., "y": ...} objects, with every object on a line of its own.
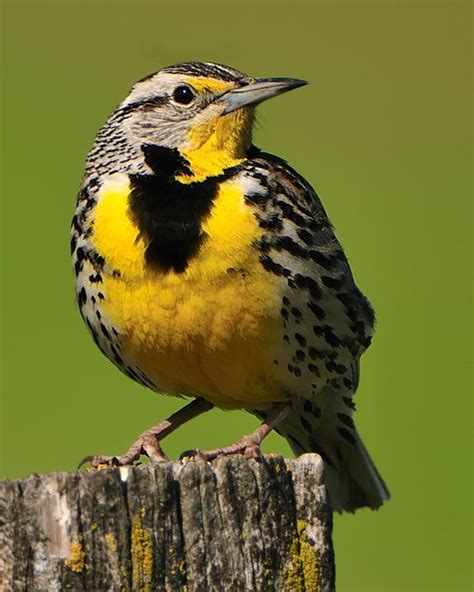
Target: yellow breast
[{"x": 207, "y": 331}]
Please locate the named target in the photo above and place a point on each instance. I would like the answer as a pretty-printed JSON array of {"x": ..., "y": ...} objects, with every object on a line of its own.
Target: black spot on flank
[
  {"x": 73, "y": 244},
  {"x": 306, "y": 425},
  {"x": 333, "y": 283},
  {"x": 272, "y": 223},
  {"x": 95, "y": 278},
  {"x": 346, "y": 434},
  {"x": 300, "y": 355},
  {"x": 284, "y": 313},
  {"x": 80, "y": 257},
  {"x": 290, "y": 213},
  {"x": 97, "y": 260},
  {"x": 352, "y": 314},
  {"x": 323, "y": 260},
  {"x": 286, "y": 243},
  {"x": 346, "y": 420},
  {"x": 116, "y": 355},
  {"x": 307, "y": 407},
  {"x": 98, "y": 315},
  {"x": 100, "y": 296},
  {"x": 93, "y": 300},
  {"x": 114, "y": 331},
  {"x": 82, "y": 297},
  {"x": 316, "y": 411},
  {"x": 305, "y": 236},
  {"x": 347, "y": 383},
  {"x": 330, "y": 337},
  {"x": 359, "y": 328},
  {"x": 345, "y": 298},
  {"x": 259, "y": 199},
  {"x": 314, "y": 369},
  {"x": 317, "y": 330},
  {"x": 286, "y": 302},
  {"x": 297, "y": 372},
  {"x": 317, "y": 311},
  {"x": 275, "y": 362},
  {"x": 274, "y": 267},
  {"x": 116, "y": 273},
  {"x": 290, "y": 368},
  {"x": 300, "y": 339},
  {"x": 296, "y": 312},
  {"x": 349, "y": 402},
  {"x": 317, "y": 226},
  {"x": 286, "y": 338},
  {"x": 308, "y": 283},
  {"x": 103, "y": 328},
  {"x": 76, "y": 225},
  {"x": 313, "y": 353}
]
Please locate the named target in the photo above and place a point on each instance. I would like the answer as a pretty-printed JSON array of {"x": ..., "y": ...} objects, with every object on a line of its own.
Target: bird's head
[{"x": 203, "y": 110}]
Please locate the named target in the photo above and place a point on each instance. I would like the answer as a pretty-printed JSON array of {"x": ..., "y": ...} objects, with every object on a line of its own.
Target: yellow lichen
[
  {"x": 76, "y": 561},
  {"x": 309, "y": 560},
  {"x": 142, "y": 555},
  {"x": 302, "y": 573},
  {"x": 111, "y": 542}
]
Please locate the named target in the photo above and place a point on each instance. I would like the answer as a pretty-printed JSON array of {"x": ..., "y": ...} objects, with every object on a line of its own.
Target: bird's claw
[
  {"x": 247, "y": 447},
  {"x": 146, "y": 444}
]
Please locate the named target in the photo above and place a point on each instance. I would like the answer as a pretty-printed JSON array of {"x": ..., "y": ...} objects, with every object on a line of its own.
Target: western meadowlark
[{"x": 207, "y": 268}]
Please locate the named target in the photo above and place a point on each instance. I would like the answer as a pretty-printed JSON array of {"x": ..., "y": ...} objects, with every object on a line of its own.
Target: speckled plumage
[{"x": 221, "y": 277}]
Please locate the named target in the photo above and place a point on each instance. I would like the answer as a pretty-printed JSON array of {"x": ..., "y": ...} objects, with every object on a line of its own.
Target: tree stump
[{"x": 232, "y": 525}]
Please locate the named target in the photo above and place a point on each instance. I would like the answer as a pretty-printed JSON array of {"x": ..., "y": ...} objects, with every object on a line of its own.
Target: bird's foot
[
  {"x": 248, "y": 446},
  {"x": 146, "y": 444}
]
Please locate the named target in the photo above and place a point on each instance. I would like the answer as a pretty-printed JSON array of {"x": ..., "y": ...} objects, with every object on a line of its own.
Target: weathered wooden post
[{"x": 232, "y": 525}]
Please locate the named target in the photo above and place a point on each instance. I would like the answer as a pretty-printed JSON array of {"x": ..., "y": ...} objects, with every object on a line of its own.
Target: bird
[{"x": 208, "y": 269}]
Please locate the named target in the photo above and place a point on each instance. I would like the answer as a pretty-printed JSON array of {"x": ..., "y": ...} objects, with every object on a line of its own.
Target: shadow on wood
[{"x": 230, "y": 525}]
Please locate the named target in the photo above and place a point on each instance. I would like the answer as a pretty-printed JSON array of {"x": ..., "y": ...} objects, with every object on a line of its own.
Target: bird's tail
[{"x": 351, "y": 478}]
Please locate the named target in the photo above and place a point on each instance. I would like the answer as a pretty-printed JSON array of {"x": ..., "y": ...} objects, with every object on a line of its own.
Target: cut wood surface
[{"x": 233, "y": 525}]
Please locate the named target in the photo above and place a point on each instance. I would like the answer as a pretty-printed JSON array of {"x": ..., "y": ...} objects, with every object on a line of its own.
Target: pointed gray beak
[{"x": 258, "y": 91}]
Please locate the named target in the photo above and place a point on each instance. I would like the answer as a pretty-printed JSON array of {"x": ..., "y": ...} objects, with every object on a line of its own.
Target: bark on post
[{"x": 230, "y": 525}]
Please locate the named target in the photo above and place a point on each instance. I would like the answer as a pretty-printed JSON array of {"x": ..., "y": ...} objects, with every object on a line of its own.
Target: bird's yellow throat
[{"x": 218, "y": 144}]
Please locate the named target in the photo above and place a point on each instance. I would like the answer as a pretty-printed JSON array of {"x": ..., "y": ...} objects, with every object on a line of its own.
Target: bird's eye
[{"x": 183, "y": 95}]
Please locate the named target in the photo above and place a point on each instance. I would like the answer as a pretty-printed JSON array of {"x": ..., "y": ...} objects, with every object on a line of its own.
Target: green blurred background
[{"x": 384, "y": 134}]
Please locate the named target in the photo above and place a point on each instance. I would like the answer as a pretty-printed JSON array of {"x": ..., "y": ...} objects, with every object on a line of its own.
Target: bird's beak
[{"x": 257, "y": 91}]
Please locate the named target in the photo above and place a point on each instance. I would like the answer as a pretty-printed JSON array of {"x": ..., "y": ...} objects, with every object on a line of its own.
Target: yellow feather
[{"x": 207, "y": 331}]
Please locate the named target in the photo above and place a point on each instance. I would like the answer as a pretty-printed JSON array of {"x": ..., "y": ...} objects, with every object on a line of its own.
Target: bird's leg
[
  {"x": 248, "y": 445},
  {"x": 148, "y": 443}
]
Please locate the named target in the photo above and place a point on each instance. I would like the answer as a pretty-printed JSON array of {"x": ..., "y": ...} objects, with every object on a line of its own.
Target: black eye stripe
[{"x": 150, "y": 103}]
